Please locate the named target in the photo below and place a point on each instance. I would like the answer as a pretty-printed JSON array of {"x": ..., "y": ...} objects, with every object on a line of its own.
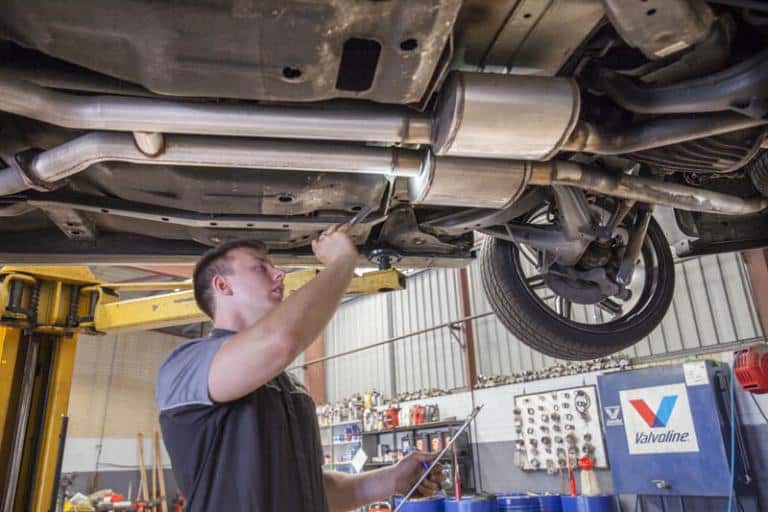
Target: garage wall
[
  {"x": 431, "y": 359},
  {"x": 113, "y": 399},
  {"x": 356, "y": 324},
  {"x": 712, "y": 307}
]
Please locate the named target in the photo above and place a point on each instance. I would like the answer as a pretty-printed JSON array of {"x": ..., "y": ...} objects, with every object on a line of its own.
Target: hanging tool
[
  {"x": 160, "y": 475},
  {"x": 440, "y": 455},
  {"x": 571, "y": 477},
  {"x": 153, "y": 499},
  {"x": 144, "y": 489}
]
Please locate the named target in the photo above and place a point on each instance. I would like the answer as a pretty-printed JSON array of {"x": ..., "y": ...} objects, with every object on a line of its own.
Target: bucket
[
  {"x": 471, "y": 504},
  {"x": 517, "y": 502},
  {"x": 550, "y": 503},
  {"x": 433, "y": 504},
  {"x": 602, "y": 503}
]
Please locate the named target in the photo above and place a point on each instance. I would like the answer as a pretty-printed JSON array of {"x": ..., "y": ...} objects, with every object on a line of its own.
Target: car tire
[{"x": 539, "y": 327}]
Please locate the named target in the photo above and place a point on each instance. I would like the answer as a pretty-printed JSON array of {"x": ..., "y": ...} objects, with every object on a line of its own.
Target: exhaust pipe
[
  {"x": 440, "y": 181},
  {"x": 132, "y": 114},
  {"x": 200, "y": 151},
  {"x": 656, "y": 133},
  {"x": 643, "y": 190},
  {"x": 468, "y": 182}
]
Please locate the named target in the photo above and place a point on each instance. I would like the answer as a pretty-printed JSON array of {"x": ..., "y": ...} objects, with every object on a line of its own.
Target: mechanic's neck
[{"x": 233, "y": 320}]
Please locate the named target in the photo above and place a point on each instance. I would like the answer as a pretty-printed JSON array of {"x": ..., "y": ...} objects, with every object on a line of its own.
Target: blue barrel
[
  {"x": 471, "y": 504},
  {"x": 602, "y": 503},
  {"x": 433, "y": 504},
  {"x": 516, "y": 502},
  {"x": 550, "y": 503}
]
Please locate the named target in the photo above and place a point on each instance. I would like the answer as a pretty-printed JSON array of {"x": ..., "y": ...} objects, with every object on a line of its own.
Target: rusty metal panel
[
  {"x": 281, "y": 50},
  {"x": 515, "y": 36}
]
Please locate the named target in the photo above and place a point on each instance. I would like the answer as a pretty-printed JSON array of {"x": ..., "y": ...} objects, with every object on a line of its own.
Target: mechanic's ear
[{"x": 221, "y": 285}]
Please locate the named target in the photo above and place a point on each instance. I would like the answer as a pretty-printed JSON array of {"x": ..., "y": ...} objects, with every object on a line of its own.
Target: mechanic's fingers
[
  {"x": 426, "y": 491},
  {"x": 436, "y": 477},
  {"x": 343, "y": 228},
  {"x": 430, "y": 484},
  {"x": 330, "y": 230}
]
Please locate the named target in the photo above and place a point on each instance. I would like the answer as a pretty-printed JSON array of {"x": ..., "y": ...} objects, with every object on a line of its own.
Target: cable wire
[
  {"x": 733, "y": 437},
  {"x": 757, "y": 404}
]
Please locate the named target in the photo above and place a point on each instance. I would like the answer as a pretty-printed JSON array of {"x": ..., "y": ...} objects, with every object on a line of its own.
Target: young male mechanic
[{"x": 241, "y": 434}]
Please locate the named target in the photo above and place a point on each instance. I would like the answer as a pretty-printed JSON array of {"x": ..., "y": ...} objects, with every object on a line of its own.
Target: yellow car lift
[{"x": 42, "y": 312}]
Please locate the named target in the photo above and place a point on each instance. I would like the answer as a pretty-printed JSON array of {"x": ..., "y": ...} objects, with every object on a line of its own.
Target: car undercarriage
[{"x": 581, "y": 137}]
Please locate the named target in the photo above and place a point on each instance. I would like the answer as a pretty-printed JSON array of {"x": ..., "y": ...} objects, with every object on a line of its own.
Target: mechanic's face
[{"x": 255, "y": 283}]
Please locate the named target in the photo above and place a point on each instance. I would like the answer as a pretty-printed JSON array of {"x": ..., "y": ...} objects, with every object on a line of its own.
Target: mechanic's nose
[{"x": 278, "y": 274}]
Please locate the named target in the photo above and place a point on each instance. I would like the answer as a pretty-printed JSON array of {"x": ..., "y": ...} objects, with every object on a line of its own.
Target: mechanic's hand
[
  {"x": 410, "y": 469},
  {"x": 334, "y": 245}
]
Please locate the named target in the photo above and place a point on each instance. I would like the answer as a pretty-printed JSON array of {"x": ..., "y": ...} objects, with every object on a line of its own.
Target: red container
[
  {"x": 751, "y": 369},
  {"x": 391, "y": 418},
  {"x": 417, "y": 414}
]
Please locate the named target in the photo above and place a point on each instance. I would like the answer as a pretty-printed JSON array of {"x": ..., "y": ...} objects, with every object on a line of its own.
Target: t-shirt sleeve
[{"x": 183, "y": 378}]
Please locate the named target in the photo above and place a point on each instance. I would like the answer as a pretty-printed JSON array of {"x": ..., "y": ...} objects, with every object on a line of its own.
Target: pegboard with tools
[{"x": 554, "y": 425}]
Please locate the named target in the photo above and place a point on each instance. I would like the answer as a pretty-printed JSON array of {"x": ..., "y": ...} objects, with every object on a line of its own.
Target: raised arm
[{"x": 257, "y": 354}]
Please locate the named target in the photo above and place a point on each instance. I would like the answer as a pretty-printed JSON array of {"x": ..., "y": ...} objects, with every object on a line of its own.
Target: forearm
[
  {"x": 347, "y": 492},
  {"x": 305, "y": 313}
]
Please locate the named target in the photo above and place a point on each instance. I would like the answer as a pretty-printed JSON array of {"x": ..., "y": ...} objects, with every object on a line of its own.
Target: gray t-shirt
[{"x": 261, "y": 453}]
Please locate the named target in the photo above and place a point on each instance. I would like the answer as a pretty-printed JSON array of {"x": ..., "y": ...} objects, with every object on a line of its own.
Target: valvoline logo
[{"x": 657, "y": 419}]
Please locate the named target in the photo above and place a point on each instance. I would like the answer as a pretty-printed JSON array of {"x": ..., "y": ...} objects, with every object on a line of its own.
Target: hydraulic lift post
[{"x": 42, "y": 312}]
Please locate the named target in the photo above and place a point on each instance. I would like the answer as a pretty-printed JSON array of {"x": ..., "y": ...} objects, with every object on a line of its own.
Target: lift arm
[{"x": 179, "y": 308}]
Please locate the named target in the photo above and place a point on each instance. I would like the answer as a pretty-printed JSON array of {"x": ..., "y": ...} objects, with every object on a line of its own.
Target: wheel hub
[{"x": 583, "y": 286}]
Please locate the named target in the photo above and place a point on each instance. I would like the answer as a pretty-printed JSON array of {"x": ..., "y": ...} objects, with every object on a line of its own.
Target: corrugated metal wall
[
  {"x": 717, "y": 311},
  {"x": 359, "y": 322},
  {"x": 433, "y": 359}
]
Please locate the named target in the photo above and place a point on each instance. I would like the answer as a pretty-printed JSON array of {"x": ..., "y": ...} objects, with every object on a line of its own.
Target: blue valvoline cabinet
[{"x": 667, "y": 430}]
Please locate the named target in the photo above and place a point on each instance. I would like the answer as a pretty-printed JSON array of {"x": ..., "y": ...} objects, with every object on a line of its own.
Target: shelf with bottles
[
  {"x": 341, "y": 424},
  {"x": 449, "y": 422}
]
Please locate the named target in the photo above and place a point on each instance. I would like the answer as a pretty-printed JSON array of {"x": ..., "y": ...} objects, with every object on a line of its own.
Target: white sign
[
  {"x": 658, "y": 419},
  {"x": 613, "y": 416},
  {"x": 696, "y": 373},
  {"x": 359, "y": 460}
]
